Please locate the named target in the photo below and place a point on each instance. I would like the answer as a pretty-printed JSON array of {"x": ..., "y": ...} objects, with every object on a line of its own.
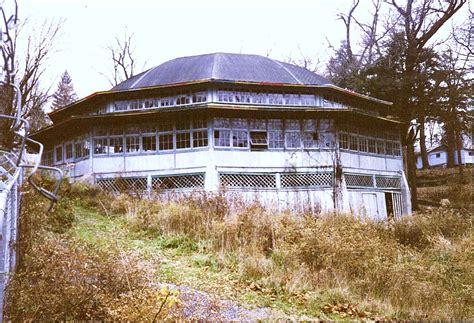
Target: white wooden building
[
  {"x": 245, "y": 124},
  {"x": 438, "y": 157}
]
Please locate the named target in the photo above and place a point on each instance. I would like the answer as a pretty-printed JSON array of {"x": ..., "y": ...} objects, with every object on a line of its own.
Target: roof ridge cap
[
  {"x": 213, "y": 71},
  {"x": 143, "y": 75},
  {"x": 286, "y": 69}
]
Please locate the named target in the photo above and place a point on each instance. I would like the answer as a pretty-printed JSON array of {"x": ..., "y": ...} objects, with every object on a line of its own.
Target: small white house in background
[
  {"x": 244, "y": 124},
  {"x": 438, "y": 157}
]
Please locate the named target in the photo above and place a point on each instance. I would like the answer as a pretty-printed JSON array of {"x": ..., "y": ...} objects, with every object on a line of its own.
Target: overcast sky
[{"x": 168, "y": 29}]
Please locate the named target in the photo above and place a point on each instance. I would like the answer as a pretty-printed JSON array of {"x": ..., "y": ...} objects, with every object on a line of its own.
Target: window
[
  {"x": 81, "y": 148},
  {"x": 224, "y": 96},
  {"x": 116, "y": 145},
  {"x": 371, "y": 146},
  {"x": 183, "y": 140},
  {"x": 310, "y": 135},
  {"x": 165, "y": 137},
  {"x": 58, "y": 157},
  {"x": 200, "y": 138},
  {"x": 100, "y": 146},
  {"x": 183, "y": 134},
  {"x": 48, "y": 158},
  {"x": 291, "y": 99},
  {"x": 293, "y": 139},
  {"x": 363, "y": 144},
  {"x": 275, "y": 98},
  {"x": 276, "y": 139},
  {"x": 438, "y": 155},
  {"x": 222, "y": 138},
  {"x": 388, "y": 148},
  {"x": 380, "y": 145},
  {"x": 353, "y": 142},
  {"x": 183, "y": 99},
  {"x": 69, "y": 151},
  {"x": 120, "y": 106},
  {"x": 344, "y": 141},
  {"x": 239, "y": 138},
  {"x": 166, "y": 142},
  {"x": 167, "y": 101},
  {"x": 471, "y": 153},
  {"x": 258, "y": 140},
  {"x": 132, "y": 144},
  {"x": 307, "y": 99},
  {"x": 151, "y": 103},
  {"x": 259, "y": 98},
  {"x": 148, "y": 143},
  {"x": 242, "y": 97},
  {"x": 199, "y": 97},
  {"x": 396, "y": 149},
  {"x": 135, "y": 105}
]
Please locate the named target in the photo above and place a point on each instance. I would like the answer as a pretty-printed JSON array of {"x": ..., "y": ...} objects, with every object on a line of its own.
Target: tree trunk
[
  {"x": 423, "y": 151},
  {"x": 459, "y": 153},
  {"x": 411, "y": 174},
  {"x": 6, "y": 108},
  {"x": 451, "y": 147}
]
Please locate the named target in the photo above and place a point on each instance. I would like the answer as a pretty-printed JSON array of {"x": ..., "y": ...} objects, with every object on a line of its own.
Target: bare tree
[
  {"x": 350, "y": 58},
  {"x": 310, "y": 63},
  {"x": 33, "y": 64},
  {"x": 124, "y": 62}
]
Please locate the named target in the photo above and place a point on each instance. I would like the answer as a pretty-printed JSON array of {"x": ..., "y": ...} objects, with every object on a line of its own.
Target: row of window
[
  {"x": 273, "y": 133},
  {"x": 232, "y": 96},
  {"x": 349, "y": 141},
  {"x": 223, "y": 95},
  {"x": 239, "y": 133},
  {"x": 150, "y": 103}
]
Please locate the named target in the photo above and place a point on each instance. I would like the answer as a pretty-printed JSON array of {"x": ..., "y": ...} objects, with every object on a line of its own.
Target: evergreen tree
[{"x": 65, "y": 94}]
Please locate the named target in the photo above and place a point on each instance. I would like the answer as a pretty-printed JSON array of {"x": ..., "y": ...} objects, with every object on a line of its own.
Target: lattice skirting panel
[
  {"x": 273, "y": 181},
  {"x": 193, "y": 181},
  {"x": 123, "y": 184},
  {"x": 158, "y": 183},
  {"x": 368, "y": 180},
  {"x": 299, "y": 180},
  {"x": 388, "y": 182},
  {"x": 229, "y": 180}
]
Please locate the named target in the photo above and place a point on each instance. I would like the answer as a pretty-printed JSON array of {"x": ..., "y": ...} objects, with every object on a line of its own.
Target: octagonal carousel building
[{"x": 248, "y": 125}]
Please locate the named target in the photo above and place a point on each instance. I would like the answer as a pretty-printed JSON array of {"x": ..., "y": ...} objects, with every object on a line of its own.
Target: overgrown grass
[
  {"x": 62, "y": 277},
  {"x": 417, "y": 267},
  {"x": 331, "y": 266}
]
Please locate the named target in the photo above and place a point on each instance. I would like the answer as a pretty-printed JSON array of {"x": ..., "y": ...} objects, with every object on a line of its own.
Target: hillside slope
[{"x": 103, "y": 257}]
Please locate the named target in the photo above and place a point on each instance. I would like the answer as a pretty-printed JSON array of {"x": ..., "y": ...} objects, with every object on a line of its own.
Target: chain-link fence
[{"x": 10, "y": 182}]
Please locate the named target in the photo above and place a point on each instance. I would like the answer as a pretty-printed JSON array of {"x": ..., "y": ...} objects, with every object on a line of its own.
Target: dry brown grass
[
  {"x": 420, "y": 267},
  {"x": 417, "y": 267},
  {"x": 59, "y": 278}
]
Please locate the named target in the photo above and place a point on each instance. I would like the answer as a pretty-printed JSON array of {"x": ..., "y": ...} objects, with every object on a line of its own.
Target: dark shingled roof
[{"x": 222, "y": 67}]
